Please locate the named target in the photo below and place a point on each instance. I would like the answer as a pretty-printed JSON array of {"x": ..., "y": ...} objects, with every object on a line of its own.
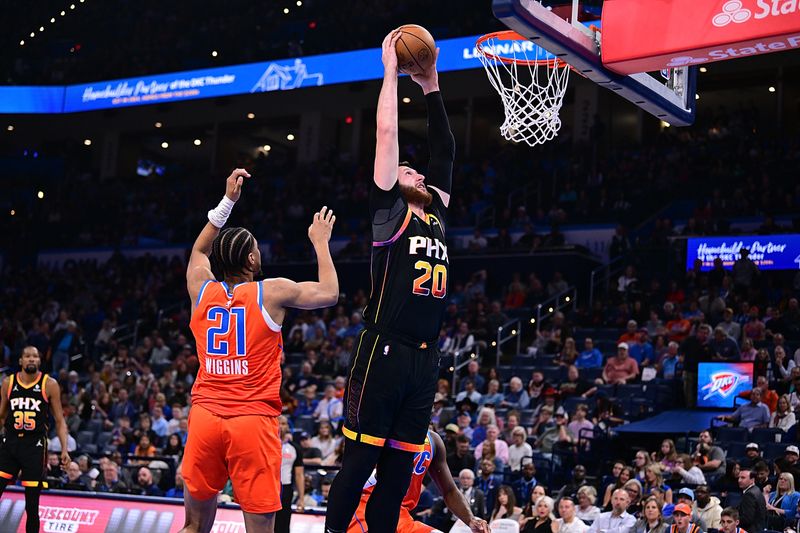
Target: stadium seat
[
  {"x": 766, "y": 435},
  {"x": 774, "y": 450},
  {"x": 103, "y": 439},
  {"x": 95, "y": 426},
  {"x": 733, "y": 499},
  {"x": 305, "y": 423},
  {"x": 85, "y": 438},
  {"x": 504, "y": 525},
  {"x": 89, "y": 448},
  {"x": 728, "y": 434},
  {"x": 591, "y": 374},
  {"x": 736, "y": 450}
]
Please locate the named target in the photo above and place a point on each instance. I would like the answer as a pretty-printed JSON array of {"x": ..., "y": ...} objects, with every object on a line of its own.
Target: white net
[{"x": 532, "y": 94}]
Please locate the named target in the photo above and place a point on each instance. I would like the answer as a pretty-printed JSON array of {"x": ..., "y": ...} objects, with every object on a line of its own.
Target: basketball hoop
[{"x": 531, "y": 99}]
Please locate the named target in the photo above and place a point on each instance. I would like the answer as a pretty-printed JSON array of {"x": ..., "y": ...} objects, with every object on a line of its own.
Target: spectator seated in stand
[{"x": 750, "y": 415}]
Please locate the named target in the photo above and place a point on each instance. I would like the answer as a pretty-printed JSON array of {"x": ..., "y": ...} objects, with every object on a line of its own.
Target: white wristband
[{"x": 219, "y": 215}]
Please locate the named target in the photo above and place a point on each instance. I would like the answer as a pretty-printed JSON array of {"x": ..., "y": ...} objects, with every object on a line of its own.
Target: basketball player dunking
[
  {"x": 27, "y": 397},
  {"x": 236, "y": 322},
  {"x": 431, "y": 460},
  {"x": 392, "y": 378}
]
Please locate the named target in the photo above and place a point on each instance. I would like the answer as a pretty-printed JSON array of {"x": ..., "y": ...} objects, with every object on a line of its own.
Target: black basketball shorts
[
  {"x": 390, "y": 391},
  {"x": 27, "y": 454}
]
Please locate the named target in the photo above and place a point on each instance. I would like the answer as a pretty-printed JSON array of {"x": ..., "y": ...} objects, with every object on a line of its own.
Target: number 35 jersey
[
  {"x": 239, "y": 348},
  {"x": 28, "y": 407},
  {"x": 409, "y": 267}
]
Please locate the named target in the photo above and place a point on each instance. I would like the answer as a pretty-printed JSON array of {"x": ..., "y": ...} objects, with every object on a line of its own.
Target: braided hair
[{"x": 229, "y": 252}]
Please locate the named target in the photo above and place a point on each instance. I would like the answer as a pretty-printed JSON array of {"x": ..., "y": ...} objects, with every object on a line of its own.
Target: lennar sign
[{"x": 648, "y": 36}]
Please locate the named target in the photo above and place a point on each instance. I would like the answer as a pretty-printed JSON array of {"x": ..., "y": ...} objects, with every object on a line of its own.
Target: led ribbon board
[
  {"x": 768, "y": 252},
  {"x": 279, "y": 75}
]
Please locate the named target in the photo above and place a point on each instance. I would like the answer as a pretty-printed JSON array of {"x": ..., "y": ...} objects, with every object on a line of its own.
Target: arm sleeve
[{"x": 441, "y": 143}]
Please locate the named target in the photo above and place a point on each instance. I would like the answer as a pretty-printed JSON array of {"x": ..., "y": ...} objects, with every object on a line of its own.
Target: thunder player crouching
[
  {"x": 431, "y": 460},
  {"x": 27, "y": 397}
]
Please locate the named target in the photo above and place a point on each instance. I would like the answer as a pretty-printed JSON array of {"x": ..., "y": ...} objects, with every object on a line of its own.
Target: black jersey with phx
[
  {"x": 409, "y": 254},
  {"x": 28, "y": 407}
]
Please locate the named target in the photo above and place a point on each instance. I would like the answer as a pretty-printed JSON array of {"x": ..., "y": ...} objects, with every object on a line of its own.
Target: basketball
[{"x": 416, "y": 49}]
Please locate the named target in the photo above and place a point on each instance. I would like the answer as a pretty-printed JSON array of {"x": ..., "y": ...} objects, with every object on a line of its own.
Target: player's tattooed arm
[{"x": 199, "y": 268}]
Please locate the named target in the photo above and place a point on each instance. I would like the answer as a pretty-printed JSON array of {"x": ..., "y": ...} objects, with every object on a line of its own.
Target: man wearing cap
[
  {"x": 617, "y": 520},
  {"x": 789, "y": 462},
  {"x": 685, "y": 496},
  {"x": 752, "y": 508},
  {"x": 464, "y": 422},
  {"x": 621, "y": 369},
  {"x": 682, "y": 520},
  {"x": 460, "y": 458},
  {"x": 707, "y": 507},
  {"x": 731, "y": 328},
  {"x": 752, "y": 455},
  {"x": 750, "y": 415},
  {"x": 311, "y": 455}
]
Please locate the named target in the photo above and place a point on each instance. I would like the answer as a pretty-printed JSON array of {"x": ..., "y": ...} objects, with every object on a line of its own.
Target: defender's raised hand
[
  {"x": 320, "y": 230},
  {"x": 233, "y": 187}
]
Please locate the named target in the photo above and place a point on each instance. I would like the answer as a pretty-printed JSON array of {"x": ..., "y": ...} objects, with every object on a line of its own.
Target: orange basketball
[{"x": 416, "y": 49}]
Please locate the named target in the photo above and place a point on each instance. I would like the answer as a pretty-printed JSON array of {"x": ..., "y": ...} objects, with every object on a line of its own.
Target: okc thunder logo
[{"x": 724, "y": 384}]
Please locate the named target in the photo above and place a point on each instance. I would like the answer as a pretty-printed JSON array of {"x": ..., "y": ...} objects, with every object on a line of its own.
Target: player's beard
[
  {"x": 415, "y": 196},
  {"x": 31, "y": 369}
]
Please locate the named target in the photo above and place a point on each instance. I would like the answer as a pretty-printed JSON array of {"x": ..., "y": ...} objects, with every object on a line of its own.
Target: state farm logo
[
  {"x": 732, "y": 11},
  {"x": 724, "y": 384}
]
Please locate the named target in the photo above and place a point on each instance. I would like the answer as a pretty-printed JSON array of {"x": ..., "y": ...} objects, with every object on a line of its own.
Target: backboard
[{"x": 552, "y": 28}]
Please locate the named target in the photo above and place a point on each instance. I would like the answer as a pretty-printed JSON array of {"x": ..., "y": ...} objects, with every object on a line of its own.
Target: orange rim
[{"x": 510, "y": 35}]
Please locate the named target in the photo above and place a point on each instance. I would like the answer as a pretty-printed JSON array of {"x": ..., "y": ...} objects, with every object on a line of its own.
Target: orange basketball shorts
[
  {"x": 405, "y": 524},
  {"x": 246, "y": 449}
]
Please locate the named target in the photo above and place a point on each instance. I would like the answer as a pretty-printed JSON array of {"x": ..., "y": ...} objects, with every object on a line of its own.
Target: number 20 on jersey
[{"x": 435, "y": 274}]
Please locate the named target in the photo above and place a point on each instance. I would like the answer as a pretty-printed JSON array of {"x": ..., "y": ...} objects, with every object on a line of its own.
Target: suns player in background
[
  {"x": 393, "y": 372},
  {"x": 233, "y": 424},
  {"x": 28, "y": 399},
  {"x": 431, "y": 460}
]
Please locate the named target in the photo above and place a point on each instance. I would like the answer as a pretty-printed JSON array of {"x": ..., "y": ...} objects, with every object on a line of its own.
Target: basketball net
[{"x": 531, "y": 96}]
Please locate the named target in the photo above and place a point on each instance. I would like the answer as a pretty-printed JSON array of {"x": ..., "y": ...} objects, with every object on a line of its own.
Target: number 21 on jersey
[
  {"x": 436, "y": 274},
  {"x": 218, "y": 337}
]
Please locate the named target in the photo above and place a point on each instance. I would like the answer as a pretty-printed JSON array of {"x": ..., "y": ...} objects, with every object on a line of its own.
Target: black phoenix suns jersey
[
  {"x": 409, "y": 267},
  {"x": 28, "y": 407}
]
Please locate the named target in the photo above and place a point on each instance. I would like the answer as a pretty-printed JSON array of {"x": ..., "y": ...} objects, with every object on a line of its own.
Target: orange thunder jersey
[
  {"x": 422, "y": 461},
  {"x": 239, "y": 347}
]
